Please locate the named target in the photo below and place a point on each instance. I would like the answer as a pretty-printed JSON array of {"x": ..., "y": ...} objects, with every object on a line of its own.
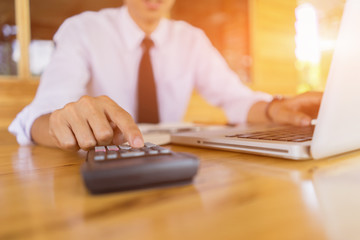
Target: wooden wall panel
[
  {"x": 226, "y": 24},
  {"x": 273, "y": 46}
]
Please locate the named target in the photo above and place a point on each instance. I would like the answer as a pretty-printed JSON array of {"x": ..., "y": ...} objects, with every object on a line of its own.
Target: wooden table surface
[{"x": 234, "y": 196}]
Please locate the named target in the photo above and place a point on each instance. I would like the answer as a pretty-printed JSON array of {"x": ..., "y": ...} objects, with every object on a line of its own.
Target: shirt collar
[
  {"x": 133, "y": 35},
  {"x": 159, "y": 35}
]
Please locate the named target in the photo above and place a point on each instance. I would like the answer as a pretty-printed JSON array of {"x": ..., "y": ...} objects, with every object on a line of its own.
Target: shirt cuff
[
  {"x": 21, "y": 126},
  {"x": 238, "y": 110}
]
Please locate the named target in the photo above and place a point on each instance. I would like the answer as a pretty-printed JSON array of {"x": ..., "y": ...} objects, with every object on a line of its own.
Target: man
[{"x": 90, "y": 91}]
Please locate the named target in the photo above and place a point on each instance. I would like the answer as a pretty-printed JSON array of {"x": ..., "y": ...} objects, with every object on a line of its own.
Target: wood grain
[
  {"x": 234, "y": 196},
  {"x": 15, "y": 94}
]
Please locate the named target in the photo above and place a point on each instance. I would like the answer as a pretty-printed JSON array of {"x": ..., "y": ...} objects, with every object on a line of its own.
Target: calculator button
[
  {"x": 164, "y": 150},
  {"x": 112, "y": 148},
  {"x": 113, "y": 152},
  {"x": 112, "y": 155},
  {"x": 149, "y": 151},
  {"x": 149, "y": 145},
  {"x": 132, "y": 154},
  {"x": 100, "y": 149},
  {"x": 124, "y": 147},
  {"x": 152, "y": 152},
  {"x": 99, "y": 157}
]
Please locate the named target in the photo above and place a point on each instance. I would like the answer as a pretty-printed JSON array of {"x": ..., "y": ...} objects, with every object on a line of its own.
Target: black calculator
[{"x": 121, "y": 167}]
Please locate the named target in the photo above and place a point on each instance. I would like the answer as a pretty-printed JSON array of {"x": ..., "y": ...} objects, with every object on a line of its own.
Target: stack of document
[{"x": 160, "y": 133}]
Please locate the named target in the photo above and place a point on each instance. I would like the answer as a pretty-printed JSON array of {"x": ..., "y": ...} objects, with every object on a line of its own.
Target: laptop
[{"x": 337, "y": 128}]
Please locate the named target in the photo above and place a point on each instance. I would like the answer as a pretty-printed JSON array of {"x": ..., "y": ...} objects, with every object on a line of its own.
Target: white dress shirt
[{"x": 98, "y": 53}]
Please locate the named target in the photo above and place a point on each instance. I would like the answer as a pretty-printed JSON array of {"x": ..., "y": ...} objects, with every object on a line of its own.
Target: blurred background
[{"x": 278, "y": 46}]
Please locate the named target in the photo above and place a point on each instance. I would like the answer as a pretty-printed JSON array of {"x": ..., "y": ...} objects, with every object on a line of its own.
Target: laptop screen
[{"x": 338, "y": 128}]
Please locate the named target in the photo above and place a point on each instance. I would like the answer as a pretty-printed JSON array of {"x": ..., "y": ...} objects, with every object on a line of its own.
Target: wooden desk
[{"x": 234, "y": 196}]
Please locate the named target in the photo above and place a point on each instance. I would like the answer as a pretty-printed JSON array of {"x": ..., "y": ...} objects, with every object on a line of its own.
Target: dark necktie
[{"x": 147, "y": 97}]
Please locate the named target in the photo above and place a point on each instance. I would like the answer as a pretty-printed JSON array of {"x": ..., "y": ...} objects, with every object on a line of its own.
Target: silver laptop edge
[
  {"x": 338, "y": 128},
  {"x": 217, "y": 140}
]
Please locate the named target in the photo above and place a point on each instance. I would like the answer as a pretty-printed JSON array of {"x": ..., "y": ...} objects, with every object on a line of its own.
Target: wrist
[{"x": 276, "y": 99}]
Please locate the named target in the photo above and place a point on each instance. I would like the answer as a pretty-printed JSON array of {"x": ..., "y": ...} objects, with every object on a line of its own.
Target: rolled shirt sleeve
[
  {"x": 97, "y": 54},
  {"x": 63, "y": 81}
]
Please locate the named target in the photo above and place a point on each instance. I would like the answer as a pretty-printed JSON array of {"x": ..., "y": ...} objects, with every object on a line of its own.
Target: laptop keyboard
[{"x": 287, "y": 134}]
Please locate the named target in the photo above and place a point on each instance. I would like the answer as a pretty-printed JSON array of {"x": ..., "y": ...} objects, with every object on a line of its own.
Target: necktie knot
[{"x": 147, "y": 43}]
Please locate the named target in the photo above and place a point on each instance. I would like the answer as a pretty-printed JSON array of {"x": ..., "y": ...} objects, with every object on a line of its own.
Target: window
[
  {"x": 317, "y": 26},
  {"x": 8, "y": 41},
  {"x": 26, "y": 32},
  {"x": 225, "y": 22},
  {"x": 46, "y": 17}
]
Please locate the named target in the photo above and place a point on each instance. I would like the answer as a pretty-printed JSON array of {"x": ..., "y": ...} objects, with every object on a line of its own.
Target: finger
[
  {"x": 126, "y": 124},
  {"x": 309, "y": 101},
  {"x": 309, "y": 97},
  {"x": 82, "y": 131},
  {"x": 101, "y": 127},
  {"x": 313, "y": 106},
  {"x": 300, "y": 119},
  {"x": 118, "y": 138},
  {"x": 286, "y": 116},
  {"x": 64, "y": 137}
]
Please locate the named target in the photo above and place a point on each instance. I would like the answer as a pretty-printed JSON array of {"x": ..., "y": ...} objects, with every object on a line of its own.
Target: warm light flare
[{"x": 307, "y": 34}]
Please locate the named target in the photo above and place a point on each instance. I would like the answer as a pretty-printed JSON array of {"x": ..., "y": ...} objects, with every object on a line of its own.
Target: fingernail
[
  {"x": 138, "y": 142},
  {"x": 305, "y": 122}
]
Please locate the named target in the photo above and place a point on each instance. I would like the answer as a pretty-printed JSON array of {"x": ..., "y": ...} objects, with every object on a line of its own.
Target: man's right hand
[{"x": 89, "y": 122}]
